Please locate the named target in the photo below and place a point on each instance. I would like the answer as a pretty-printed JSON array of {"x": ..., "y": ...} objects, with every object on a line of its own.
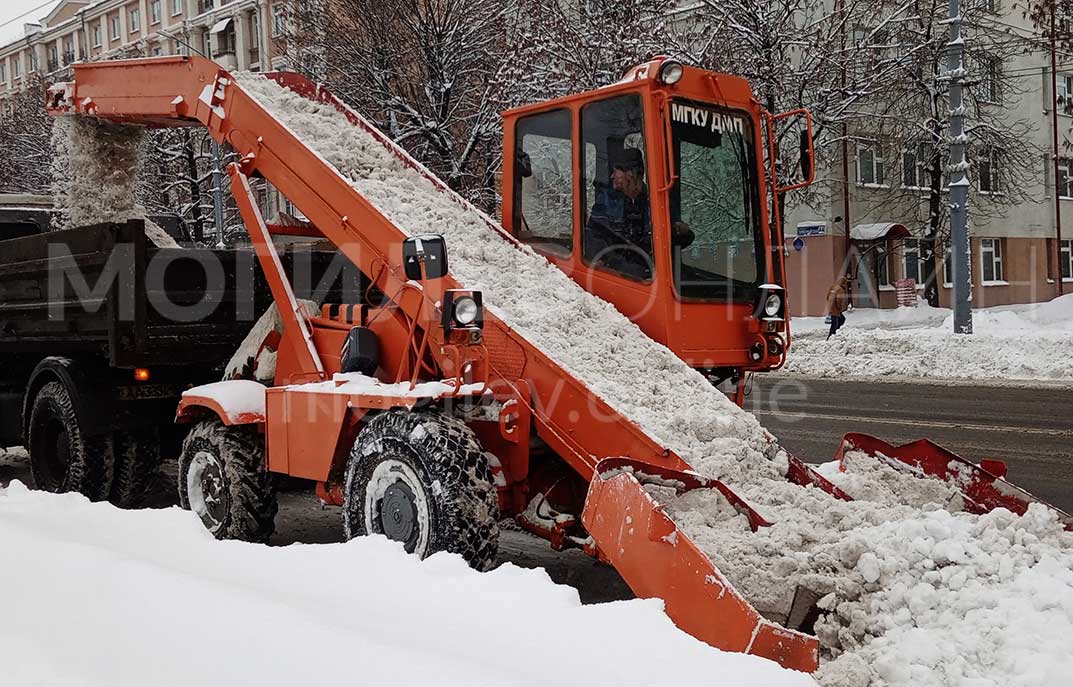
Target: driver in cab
[{"x": 620, "y": 224}]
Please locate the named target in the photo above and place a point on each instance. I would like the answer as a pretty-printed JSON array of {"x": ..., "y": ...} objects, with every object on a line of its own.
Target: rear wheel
[
  {"x": 62, "y": 457},
  {"x": 137, "y": 457},
  {"x": 222, "y": 478},
  {"x": 422, "y": 479}
]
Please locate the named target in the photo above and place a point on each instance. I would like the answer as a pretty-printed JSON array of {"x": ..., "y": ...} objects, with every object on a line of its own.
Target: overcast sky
[{"x": 15, "y": 13}]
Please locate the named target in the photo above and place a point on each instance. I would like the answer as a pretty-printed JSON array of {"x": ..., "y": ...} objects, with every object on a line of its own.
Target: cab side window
[
  {"x": 544, "y": 182},
  {"x": 617, "y": 219}
]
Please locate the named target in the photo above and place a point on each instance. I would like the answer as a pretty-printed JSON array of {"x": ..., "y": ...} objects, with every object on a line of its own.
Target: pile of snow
[
  {"x": 95, "y": 167},
  {"x": 886, "y": 480},
  {"x": 253, "y": 359},
  {"x": 1018, "y": 342},
  {"x": 868, "y": 558},
  {"x": 911, "y": 597},
  {"x": 113, "y": 598},
  {"x": 641, "y": 379}
]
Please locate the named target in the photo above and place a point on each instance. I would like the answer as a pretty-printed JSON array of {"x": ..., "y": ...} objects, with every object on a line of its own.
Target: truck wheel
[
  {"x": 422, "y": 479},
  {"x": 222, "y": 478},
  {"x": 62, "y": 457},
  {"x": 136, "y": 454}
]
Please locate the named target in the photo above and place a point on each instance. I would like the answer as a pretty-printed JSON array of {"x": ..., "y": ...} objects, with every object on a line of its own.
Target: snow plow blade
[
  {"x": 983, "y": 487},
  {"x": 657, "y": 560}
]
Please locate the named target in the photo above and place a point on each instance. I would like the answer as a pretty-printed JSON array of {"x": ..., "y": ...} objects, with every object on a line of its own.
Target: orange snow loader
[{"x": 419, "y": 410}]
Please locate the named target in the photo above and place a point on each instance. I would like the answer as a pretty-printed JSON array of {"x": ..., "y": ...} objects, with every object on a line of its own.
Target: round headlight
[
  {"x": 671, "y": 72},
  {"x": 772, "y": 305},
  {"x": 465, "y": 311}
]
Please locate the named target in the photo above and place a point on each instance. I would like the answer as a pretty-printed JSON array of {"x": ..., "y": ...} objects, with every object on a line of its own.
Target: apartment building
[
  {"x": 869, "y": 221},
  {"x": 239, "y": 34}
]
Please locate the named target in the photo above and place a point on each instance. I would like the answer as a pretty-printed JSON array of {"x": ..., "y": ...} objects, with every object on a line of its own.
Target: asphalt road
[{"x": 1030, "y": 429}]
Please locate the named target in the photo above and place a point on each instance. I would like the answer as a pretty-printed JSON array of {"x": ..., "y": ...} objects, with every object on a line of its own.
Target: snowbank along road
[{"x": 1013, "y": 342}]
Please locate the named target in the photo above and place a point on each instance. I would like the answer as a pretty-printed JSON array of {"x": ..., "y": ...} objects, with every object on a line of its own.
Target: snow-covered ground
[
  {"x": 101, "y": 596},
  {"x": 1012, "y": 342}
]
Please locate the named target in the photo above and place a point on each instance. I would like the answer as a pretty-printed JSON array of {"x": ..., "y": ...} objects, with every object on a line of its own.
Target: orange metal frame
[{"x": 312, "y": 416}]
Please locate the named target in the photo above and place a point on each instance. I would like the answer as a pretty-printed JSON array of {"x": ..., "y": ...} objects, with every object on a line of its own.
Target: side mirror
[
  {"x": 428, "y": 250},
  {"x": 801, "y": 120},
  {"x": 805, "y": 146}
]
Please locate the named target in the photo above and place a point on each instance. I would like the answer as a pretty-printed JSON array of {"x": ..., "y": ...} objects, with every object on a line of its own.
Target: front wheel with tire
[
  {"x": 421, "y": 478},
  {"x": 63, "y": 457},
  {"x": 222, "y": 478}
]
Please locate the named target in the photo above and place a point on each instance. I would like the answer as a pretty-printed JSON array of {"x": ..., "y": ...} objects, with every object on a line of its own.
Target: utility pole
[
  {"x": 841, "y": 11},
  {"x": 1054, "y": 132},
  {"x": 959, "y": 176}
]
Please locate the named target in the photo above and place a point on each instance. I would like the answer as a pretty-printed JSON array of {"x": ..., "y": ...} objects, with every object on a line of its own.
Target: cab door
[{"x": 562, "y": 200}]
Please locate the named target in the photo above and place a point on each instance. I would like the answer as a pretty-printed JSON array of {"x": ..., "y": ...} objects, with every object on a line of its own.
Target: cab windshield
[{"x": 715, "y": 202}]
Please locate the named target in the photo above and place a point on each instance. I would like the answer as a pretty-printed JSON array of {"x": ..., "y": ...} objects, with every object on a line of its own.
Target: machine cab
[{"x": 651, "y": 194}]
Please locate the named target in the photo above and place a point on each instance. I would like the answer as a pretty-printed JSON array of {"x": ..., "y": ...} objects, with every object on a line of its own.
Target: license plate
[{"x": 147, "y": 391}]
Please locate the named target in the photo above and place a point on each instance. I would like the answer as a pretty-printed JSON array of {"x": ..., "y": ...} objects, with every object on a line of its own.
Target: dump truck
[
  {"x": 96, "y": 325},
  {"x": 427, "y": 409}
]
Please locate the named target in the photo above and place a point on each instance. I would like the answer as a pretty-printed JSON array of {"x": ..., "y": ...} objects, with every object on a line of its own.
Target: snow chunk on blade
[{"x": 157, "y": 601}]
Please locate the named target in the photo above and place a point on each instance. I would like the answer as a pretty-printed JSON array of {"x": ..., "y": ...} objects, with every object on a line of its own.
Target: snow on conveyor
[
  {"x": 912, "y": 596},
  {"x": 102, "y": 597}
]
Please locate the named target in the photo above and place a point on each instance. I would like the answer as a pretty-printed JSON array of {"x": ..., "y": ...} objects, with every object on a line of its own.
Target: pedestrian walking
[{"x": 837, "y": 304}]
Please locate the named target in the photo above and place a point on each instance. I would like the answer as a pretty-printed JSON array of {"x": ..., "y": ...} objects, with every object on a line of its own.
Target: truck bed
[{"x": 154, "y": 306}]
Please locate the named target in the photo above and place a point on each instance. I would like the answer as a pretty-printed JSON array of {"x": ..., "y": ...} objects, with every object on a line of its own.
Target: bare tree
[
  {"x": 910, "y": 121},
  {"x": 559, "y": 48},
  {"x": 424, "y": 71},
  {"x": 25, "y": 141}
]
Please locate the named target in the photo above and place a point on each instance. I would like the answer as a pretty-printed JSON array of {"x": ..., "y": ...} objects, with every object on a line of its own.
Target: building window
[
  {"x": 990, "y": 72},
  {"x": 991, "y": 257},
  {"x": 1065, "y": 92},
  {"x": 226, "y": 40},
  {"x": 53, "y": 58},
  {"x": 16, "y": 67},
  {"x": 915, "y": 161},
  {"x": 255, "y": 31},
  {"x": 157, "y": 51},
  {"x": 135, "y": 16},
  {"x": 3, "y": 72},
  {"x": 990, "y": 170},
  {"x": 948, "y": 264},
  {"x": 1065, "y": 179},
  {"x": 96, "y": 35},
  {"x": 911, "y": 260},
  {"x": 154, "y": 12},
  {"x": 176, "y": 7},
  {"x": 870, "y": 165},
  {"x": 279, "y": 20},
  {"x": 32, "y": 55},
  {"x": 1065, "y": 259},
  {"x": 114, "y": 22},
  {"x": 882, "y": 263}
]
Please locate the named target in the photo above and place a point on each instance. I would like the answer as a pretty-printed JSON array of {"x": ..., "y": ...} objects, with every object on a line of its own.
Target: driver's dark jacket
[{"x": 619, "y": 232}]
